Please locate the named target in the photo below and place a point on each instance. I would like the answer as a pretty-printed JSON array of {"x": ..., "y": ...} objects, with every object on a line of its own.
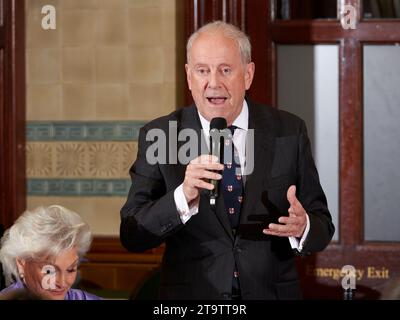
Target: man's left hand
[{"x": 293, "y": 225}]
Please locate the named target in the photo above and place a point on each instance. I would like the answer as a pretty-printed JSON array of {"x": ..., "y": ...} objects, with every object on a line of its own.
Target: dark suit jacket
[{"x": 200, "y": 256}]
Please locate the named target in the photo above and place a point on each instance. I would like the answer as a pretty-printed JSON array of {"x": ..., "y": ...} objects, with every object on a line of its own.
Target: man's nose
[{"x": 214, "y": 80}]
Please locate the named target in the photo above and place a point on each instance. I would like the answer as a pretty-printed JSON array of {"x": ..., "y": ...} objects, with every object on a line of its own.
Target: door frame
[
  {"x": 266, "y": 33},
  {"x": 12, "y": 111}
]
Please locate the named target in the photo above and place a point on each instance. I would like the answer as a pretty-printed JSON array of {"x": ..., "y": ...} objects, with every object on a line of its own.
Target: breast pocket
[{"x": 274, "y": 196}]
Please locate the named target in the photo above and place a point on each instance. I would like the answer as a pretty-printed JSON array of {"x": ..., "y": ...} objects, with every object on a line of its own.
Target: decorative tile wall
[
  {"x": 63, "y": 157},
  {"x": 106, "y": 60},
  {"x": 107, "y": 68}
]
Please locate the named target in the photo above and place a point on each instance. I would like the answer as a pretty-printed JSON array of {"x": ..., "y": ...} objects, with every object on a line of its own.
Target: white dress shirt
[{"x": 239, "y": 140}]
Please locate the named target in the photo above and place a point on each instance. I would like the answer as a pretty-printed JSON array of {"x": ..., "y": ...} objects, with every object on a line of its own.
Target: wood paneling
[
  {"x": 263, "y": 88},
  {"x": 266, "y": 33},
  {"x": 12, "y": 111},
  {"x": 108, "y": 266},
  {"x": 350, "y": 140},
  {"x": 115, "y": 276},
  {"x": 317, "y": 31}
]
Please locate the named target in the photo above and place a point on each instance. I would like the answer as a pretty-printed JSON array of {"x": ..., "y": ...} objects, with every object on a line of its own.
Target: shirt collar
[{"x": 242, "y": 120}]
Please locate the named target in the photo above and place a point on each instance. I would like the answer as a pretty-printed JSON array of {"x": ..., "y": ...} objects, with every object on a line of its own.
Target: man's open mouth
[{"x": 216, "y": 100}]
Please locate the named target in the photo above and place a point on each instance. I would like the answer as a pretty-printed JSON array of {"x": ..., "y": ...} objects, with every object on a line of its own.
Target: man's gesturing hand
[
  {"x": 199, "y": 170},
  {"x": 293, "y": 225}
]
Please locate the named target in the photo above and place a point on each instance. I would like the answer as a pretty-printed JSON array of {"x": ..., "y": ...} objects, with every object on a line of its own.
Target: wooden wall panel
[
  {"x": 351, "y": 249},
  {"x": 12, "y": 110}
]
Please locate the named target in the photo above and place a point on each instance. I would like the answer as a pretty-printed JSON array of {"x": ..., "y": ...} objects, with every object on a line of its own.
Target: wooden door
[{"x": 309, "y": 23}]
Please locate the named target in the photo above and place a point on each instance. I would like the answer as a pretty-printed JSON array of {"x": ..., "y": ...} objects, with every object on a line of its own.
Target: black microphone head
[{"x": 218, "y": 123}]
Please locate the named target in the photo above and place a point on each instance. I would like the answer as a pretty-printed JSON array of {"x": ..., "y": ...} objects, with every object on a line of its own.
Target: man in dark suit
[{"x": 283, "y": 209}]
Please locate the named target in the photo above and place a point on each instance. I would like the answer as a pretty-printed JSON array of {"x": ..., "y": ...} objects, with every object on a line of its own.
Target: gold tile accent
[
  {"x": 39, "y": 159},
  {"x": 104, "y": 160},
  {"x": 78, "y": 28},
  {"x": 129, "y": 152},
  {"x": 43, "y": 102},
  {"x": 79, "y": 4},
  {"x": 168, "y": 24},
  {"x": 146, "y": 3},
  {"x": 95, "y": 45},
  {"x": 36, "y": 36},
  {"x": 101, "y": 213},
  {"x": 112, "y": 102},
  {"x": 36, "y": 5},
  {"x": 145, "y": 26},
  {"x": 169, "y": 97},
  {"x": 147, "y": 101},
  {"x": 43, "y": 66},
  {"x": 105, "y": 218},
  {"x": 78, "y": 65},
  {"x": 91, "y": 73},
  {"x": 78, "y": 102},
  {"x": 111, "y": 65},
  {"x": 172, "y": 70},
  {"x": 113, "y": 4},
  {"x": 112, "y": 27},
  {"x": 85, "y": 160},
  {"x": 70, "y": 159},
  {"x": 146, "y": 65}
]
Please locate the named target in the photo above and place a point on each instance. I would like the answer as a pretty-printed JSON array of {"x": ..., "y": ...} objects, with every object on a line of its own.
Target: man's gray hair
[
  {"x": 228, "y": 30},
  {"x": 43, "y": 232}
]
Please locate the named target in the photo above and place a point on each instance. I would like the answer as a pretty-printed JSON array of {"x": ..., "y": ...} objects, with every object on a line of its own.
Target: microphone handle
[
  {"x": 214, "y": 192},
  {"x": 216, "y": 150}
]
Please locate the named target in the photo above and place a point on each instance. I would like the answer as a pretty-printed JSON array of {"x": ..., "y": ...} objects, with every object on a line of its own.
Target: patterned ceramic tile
[
  {"x": 70, "y": 158},
  {"x": 104, "y": 159},
  {"x": 78, "y": 187},
  {"x": 39, "y": 159},
  {"x": 83, "y": 131},
  {"x": 80, "y": 159},
  {"x": 129, "y": 152}
]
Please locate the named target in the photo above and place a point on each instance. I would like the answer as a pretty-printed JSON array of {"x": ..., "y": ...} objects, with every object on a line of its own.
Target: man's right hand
[{"x": 197, "y": 172}]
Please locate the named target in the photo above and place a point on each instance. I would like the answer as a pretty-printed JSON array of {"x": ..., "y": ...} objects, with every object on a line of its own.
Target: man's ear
[
  {"x": 188, "y": 76},
  {"x": 249, "y": 74}
]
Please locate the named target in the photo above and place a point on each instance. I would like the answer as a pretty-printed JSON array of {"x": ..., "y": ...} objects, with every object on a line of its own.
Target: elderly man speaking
[{"x": 243, "y": 244}]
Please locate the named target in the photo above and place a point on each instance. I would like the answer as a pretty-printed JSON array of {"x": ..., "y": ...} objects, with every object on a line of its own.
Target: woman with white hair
[{"x": 41, "y": 251}]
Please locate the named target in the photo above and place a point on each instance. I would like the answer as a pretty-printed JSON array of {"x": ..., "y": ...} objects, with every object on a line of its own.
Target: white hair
[
  {"x": 228, "y": 30},
  {"x": 43, "y": 232}
]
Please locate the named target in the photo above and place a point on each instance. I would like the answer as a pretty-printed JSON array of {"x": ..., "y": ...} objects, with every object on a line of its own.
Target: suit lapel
[
  {"x": 190, "y": 120},
  {"x": 261, "y": 121},
  {"x": 264, "y": 145}
]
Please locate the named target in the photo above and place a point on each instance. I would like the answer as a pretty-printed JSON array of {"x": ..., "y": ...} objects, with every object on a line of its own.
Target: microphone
[{"x": 216, "y": 149}]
